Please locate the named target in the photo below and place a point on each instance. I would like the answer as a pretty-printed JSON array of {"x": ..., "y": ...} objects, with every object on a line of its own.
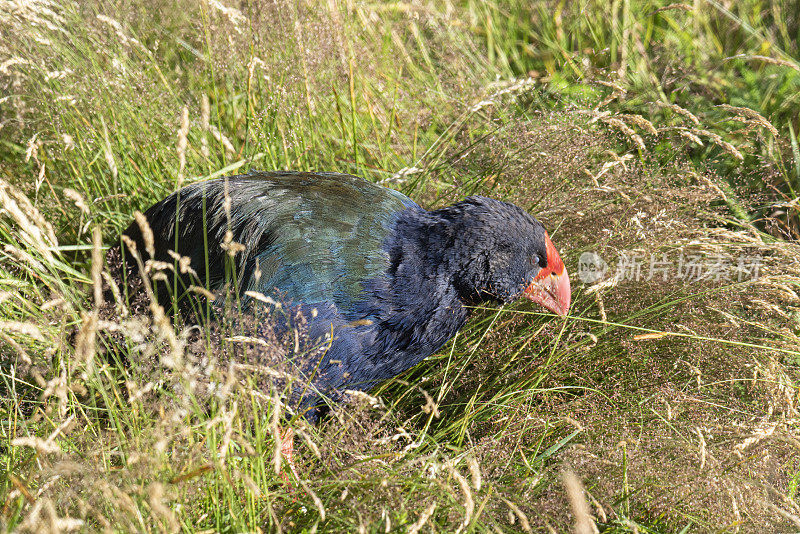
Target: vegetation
[{"x": 653, "y": 134}]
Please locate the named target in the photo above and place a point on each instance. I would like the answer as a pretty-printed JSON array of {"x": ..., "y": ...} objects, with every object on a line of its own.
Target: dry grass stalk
[
  {"x": 276, "y": 432},
  {"x": 430, "y": 406},
  {"x": 469, "y": 502},
  {"x": 24, "y": 258},
  {"x": 203, "y": 292},
  {"x": 97, "y": 266},
  {"x": 681, "y": 111},
  {"x": 258, "y": 368},
  {"x": 673, "y": 7},
  {"x": 44, "y": 519},
  {"x": 86, "y": 340},
  {"x": 234, "y": 16},
  {"x": 475, "y": 472},
  {"x": 184, "y": 263},
  {"x": 717, "y": 140},
  {"x": 607, "y": 166},
  {"x": 156, "y": 499},
  {"x": 183, "y": 134},
  {"x": 652, "y": 335},
  {"x": 230, "y": 246},
  {"x": 314, "y": 497},
  {"x": 580, "y": 508},
  {"x": 69, "y": 142},
  {"x": 758, "y": 435},
  {"x": 709, "y": 183},
  {"x": 617, "y": 92},
  {"x": 613, "y": 85},
  {"x": 16, "y": 347},
  {"x": 511, "y": 87},
  {"x": 147, "y": 233},
  {"x": 309, "y": 442},
  {"x": 639, "y": 121},
  {"x": 247, "y": 339},
  {"x": 601, "y": 308},
  {"x": 517, "y": 513},
  {"x": 601, "y": 513},
  {"x": 220, "y": 137},
  {"x": 112, "y": 164},
  {"x": 119, "y": 303},
  {"x": 5, "y": 66},
  {"x": 40, "y": 178},
  {"x": 766, "y": 59},
  {"x": 77, "y": 199},
  {"x": 163, "y": 326},
  {"x": 205, "y": 115},
  {"x": 117, "y": 27},
  {"x": 702, "y": 447},
  {"x": 42, "y": 446},
  {"x": 32, "y": 149},
  {"x": 57, "y": 386},
  {"x": 423, "y": 518},
  {"x": 263, "y": 298},
  {"x": 752, "y": 116},
  {"x": 35, "y": 230},
  {"x": 691, "y": 137},
  {"x": 627, "y": 130},
  {"x": 227, "y": 424},
  {"x": 27, "y": 329}
]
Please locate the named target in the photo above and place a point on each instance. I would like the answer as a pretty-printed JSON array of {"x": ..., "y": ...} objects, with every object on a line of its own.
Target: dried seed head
[
  {"x": 423, "y": 518},
  {"x": 147, "y": 233},
  {"x": 580, "y": 508},
  {"x": 97, "y": 266},
  {"x": 627, "y": 130},
  {"x": 77, "y": 199},
  {"x": 183, "y": 134},
  {"x": 469, "y": 502},
  {"x": 766, "y": 59},
  {"x": 112, "y": 164},
  {"x": 752, "y": 116},
  {"x": 205, "y": 115},
  {"x": 220, "y": 137},
  {"x": 681, "y": 111},
  {"x": 639, "y": 121},
  {"x": 519, "y": 514}
]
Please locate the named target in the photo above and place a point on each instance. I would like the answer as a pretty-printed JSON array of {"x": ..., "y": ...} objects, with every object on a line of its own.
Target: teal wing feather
[{"x": 309, "y": 237}]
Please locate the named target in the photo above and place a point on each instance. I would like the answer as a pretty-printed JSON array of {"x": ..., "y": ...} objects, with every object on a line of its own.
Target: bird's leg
[{"x": 287, "y": 451}]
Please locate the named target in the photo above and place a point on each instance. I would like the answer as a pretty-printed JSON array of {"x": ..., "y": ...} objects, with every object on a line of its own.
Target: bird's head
[{"x": 503, "y": 254}]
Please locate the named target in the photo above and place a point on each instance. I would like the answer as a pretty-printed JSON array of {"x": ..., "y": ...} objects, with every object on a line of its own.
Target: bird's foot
[{"x": 287, "y": 451}]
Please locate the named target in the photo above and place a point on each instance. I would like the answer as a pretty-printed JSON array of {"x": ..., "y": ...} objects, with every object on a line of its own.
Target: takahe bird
[{"x": 387, "y": 280}]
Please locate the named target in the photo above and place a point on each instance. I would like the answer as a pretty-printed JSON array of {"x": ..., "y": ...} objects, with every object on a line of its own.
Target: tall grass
[
  {"x": 705, "y": 56},
  {"x": 657, "y": 406}
]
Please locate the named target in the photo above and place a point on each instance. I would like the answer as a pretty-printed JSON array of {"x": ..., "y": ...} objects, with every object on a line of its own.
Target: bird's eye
[{"x": 535, "y": 260}]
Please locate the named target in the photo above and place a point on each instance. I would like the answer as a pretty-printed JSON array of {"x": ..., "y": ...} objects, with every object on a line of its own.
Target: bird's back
[{"x": 307, "y": 237}]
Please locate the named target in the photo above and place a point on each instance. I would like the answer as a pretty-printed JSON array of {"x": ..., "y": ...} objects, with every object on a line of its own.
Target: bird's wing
[{"x": 307, "y": 237}]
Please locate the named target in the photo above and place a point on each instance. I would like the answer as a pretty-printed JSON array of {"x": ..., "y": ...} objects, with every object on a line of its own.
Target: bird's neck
[{"x": 443, "y": 255}]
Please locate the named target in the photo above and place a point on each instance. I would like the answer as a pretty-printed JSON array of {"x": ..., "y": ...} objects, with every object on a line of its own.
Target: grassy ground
[{"x": 633, "y": 129}]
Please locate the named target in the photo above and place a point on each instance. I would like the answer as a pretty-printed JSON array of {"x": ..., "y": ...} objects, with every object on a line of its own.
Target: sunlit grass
[{"x": 589, "y": 115}]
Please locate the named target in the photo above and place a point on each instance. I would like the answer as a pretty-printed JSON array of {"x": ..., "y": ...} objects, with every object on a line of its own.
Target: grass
[{"x": 663, "y": 130}]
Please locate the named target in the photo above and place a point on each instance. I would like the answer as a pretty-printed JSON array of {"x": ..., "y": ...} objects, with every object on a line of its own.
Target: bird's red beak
[{"x": 551, "y": 288}]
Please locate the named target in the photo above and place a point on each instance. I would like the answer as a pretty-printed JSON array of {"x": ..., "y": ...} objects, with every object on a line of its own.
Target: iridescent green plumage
[{"x": 312, "y": 237}]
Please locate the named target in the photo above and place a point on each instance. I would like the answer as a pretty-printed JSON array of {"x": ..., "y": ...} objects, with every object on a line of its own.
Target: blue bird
[{"x": 385, "y": 280}]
